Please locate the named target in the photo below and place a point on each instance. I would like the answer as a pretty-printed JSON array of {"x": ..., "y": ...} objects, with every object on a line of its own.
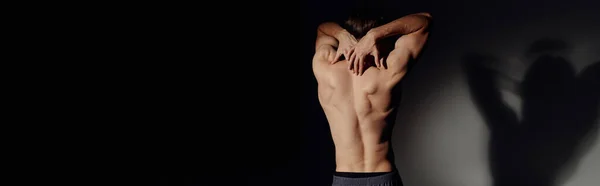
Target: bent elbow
[{"x": 426, "y": 14}]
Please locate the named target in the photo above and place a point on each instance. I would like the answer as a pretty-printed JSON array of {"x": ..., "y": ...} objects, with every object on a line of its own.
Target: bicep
[
  {"x": 406, "y": 48},
  {"x": 413, "y": 43}
]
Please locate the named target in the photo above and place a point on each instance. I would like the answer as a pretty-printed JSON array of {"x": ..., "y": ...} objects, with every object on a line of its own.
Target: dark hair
[{"x": 363, "y": 17}]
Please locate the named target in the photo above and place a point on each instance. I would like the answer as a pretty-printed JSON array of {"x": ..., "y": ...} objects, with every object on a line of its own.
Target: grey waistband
[{"x": 389, "y": 179}]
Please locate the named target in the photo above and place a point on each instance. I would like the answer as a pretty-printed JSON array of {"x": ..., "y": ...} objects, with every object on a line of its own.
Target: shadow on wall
[{"x": 559, "y": 115}]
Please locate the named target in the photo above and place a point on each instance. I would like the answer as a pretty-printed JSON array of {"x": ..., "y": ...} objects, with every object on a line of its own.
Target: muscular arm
[
  {"x": 414, "y": 31},
  {"x": 402, "y": 26},
  {"x": 325, "y": 43},
  {"x": 326, "y": 34}
]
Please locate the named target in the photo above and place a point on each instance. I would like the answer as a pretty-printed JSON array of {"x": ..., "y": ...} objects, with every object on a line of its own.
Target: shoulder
[
  {"x": 323, "y": 55},
  {"x": 321, "y": 62}
]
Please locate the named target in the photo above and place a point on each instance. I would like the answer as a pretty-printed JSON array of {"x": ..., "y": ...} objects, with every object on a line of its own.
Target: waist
[
  {"x": 382, "y": 165},
  {"x": 364, "y": 159}
]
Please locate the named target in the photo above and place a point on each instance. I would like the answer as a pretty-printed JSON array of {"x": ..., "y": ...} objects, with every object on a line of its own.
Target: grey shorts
[{"x": 388, "y": 179}]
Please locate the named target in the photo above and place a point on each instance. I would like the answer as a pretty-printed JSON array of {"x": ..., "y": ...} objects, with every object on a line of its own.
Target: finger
[
  {"x": 337, "y": 57},
  {"x": 356, "y": 62},
  {"x": 377, "y": 62},
  {"x": 381, "y": 61},
  {"x": 347, "y": 54},
  {"x": 349, "y": 59},
  {"x": 352, "y": 56},
  {"x": 361, "y": 66},
  {"x": 358, "y": 65}
]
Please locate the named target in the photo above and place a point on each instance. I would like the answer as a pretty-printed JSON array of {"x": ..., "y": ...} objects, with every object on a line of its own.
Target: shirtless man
[{"x": 359, "y": 93}]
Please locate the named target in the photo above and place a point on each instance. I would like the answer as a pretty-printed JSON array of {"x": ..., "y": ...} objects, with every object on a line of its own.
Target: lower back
[
  {"x": 360, "y": 143},
  {"x": 373, "y": 158}
]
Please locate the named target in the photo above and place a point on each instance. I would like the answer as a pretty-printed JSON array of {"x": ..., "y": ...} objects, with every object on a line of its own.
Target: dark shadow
[
  {"x": 559, "y": 114},
  {"x": 547, "y": 45}
]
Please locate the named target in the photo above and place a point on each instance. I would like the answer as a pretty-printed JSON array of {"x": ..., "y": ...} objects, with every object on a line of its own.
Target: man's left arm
[
  {"x": 326, "y": 42},
  {"x": 327, "y": 33},
  {"x": 332, "y": 34},
  {"x": 325, "y": 51}
]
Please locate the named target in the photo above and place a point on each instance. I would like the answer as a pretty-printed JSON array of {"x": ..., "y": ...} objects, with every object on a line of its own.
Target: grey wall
[{"x": 441, "y": 137}]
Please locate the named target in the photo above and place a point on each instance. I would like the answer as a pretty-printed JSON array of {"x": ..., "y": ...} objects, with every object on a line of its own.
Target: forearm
[
  {"x": 402, "y": 26},
  {"x": 329, "y": 33},
  {"x": 331, "y": 29}
]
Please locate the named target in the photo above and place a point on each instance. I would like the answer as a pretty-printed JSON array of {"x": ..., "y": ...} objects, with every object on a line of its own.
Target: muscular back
[
  {"x": 360, "y": 112},
  {"x": 360, "y": 109}
]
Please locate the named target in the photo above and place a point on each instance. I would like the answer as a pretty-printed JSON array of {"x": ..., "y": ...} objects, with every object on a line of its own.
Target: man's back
[
  {"x": 358, "y": 109},
  {"x": 359, "y": 96}
]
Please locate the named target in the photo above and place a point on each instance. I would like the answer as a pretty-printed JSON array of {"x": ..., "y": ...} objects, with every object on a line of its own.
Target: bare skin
[{"x": 358, "y": 95}]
